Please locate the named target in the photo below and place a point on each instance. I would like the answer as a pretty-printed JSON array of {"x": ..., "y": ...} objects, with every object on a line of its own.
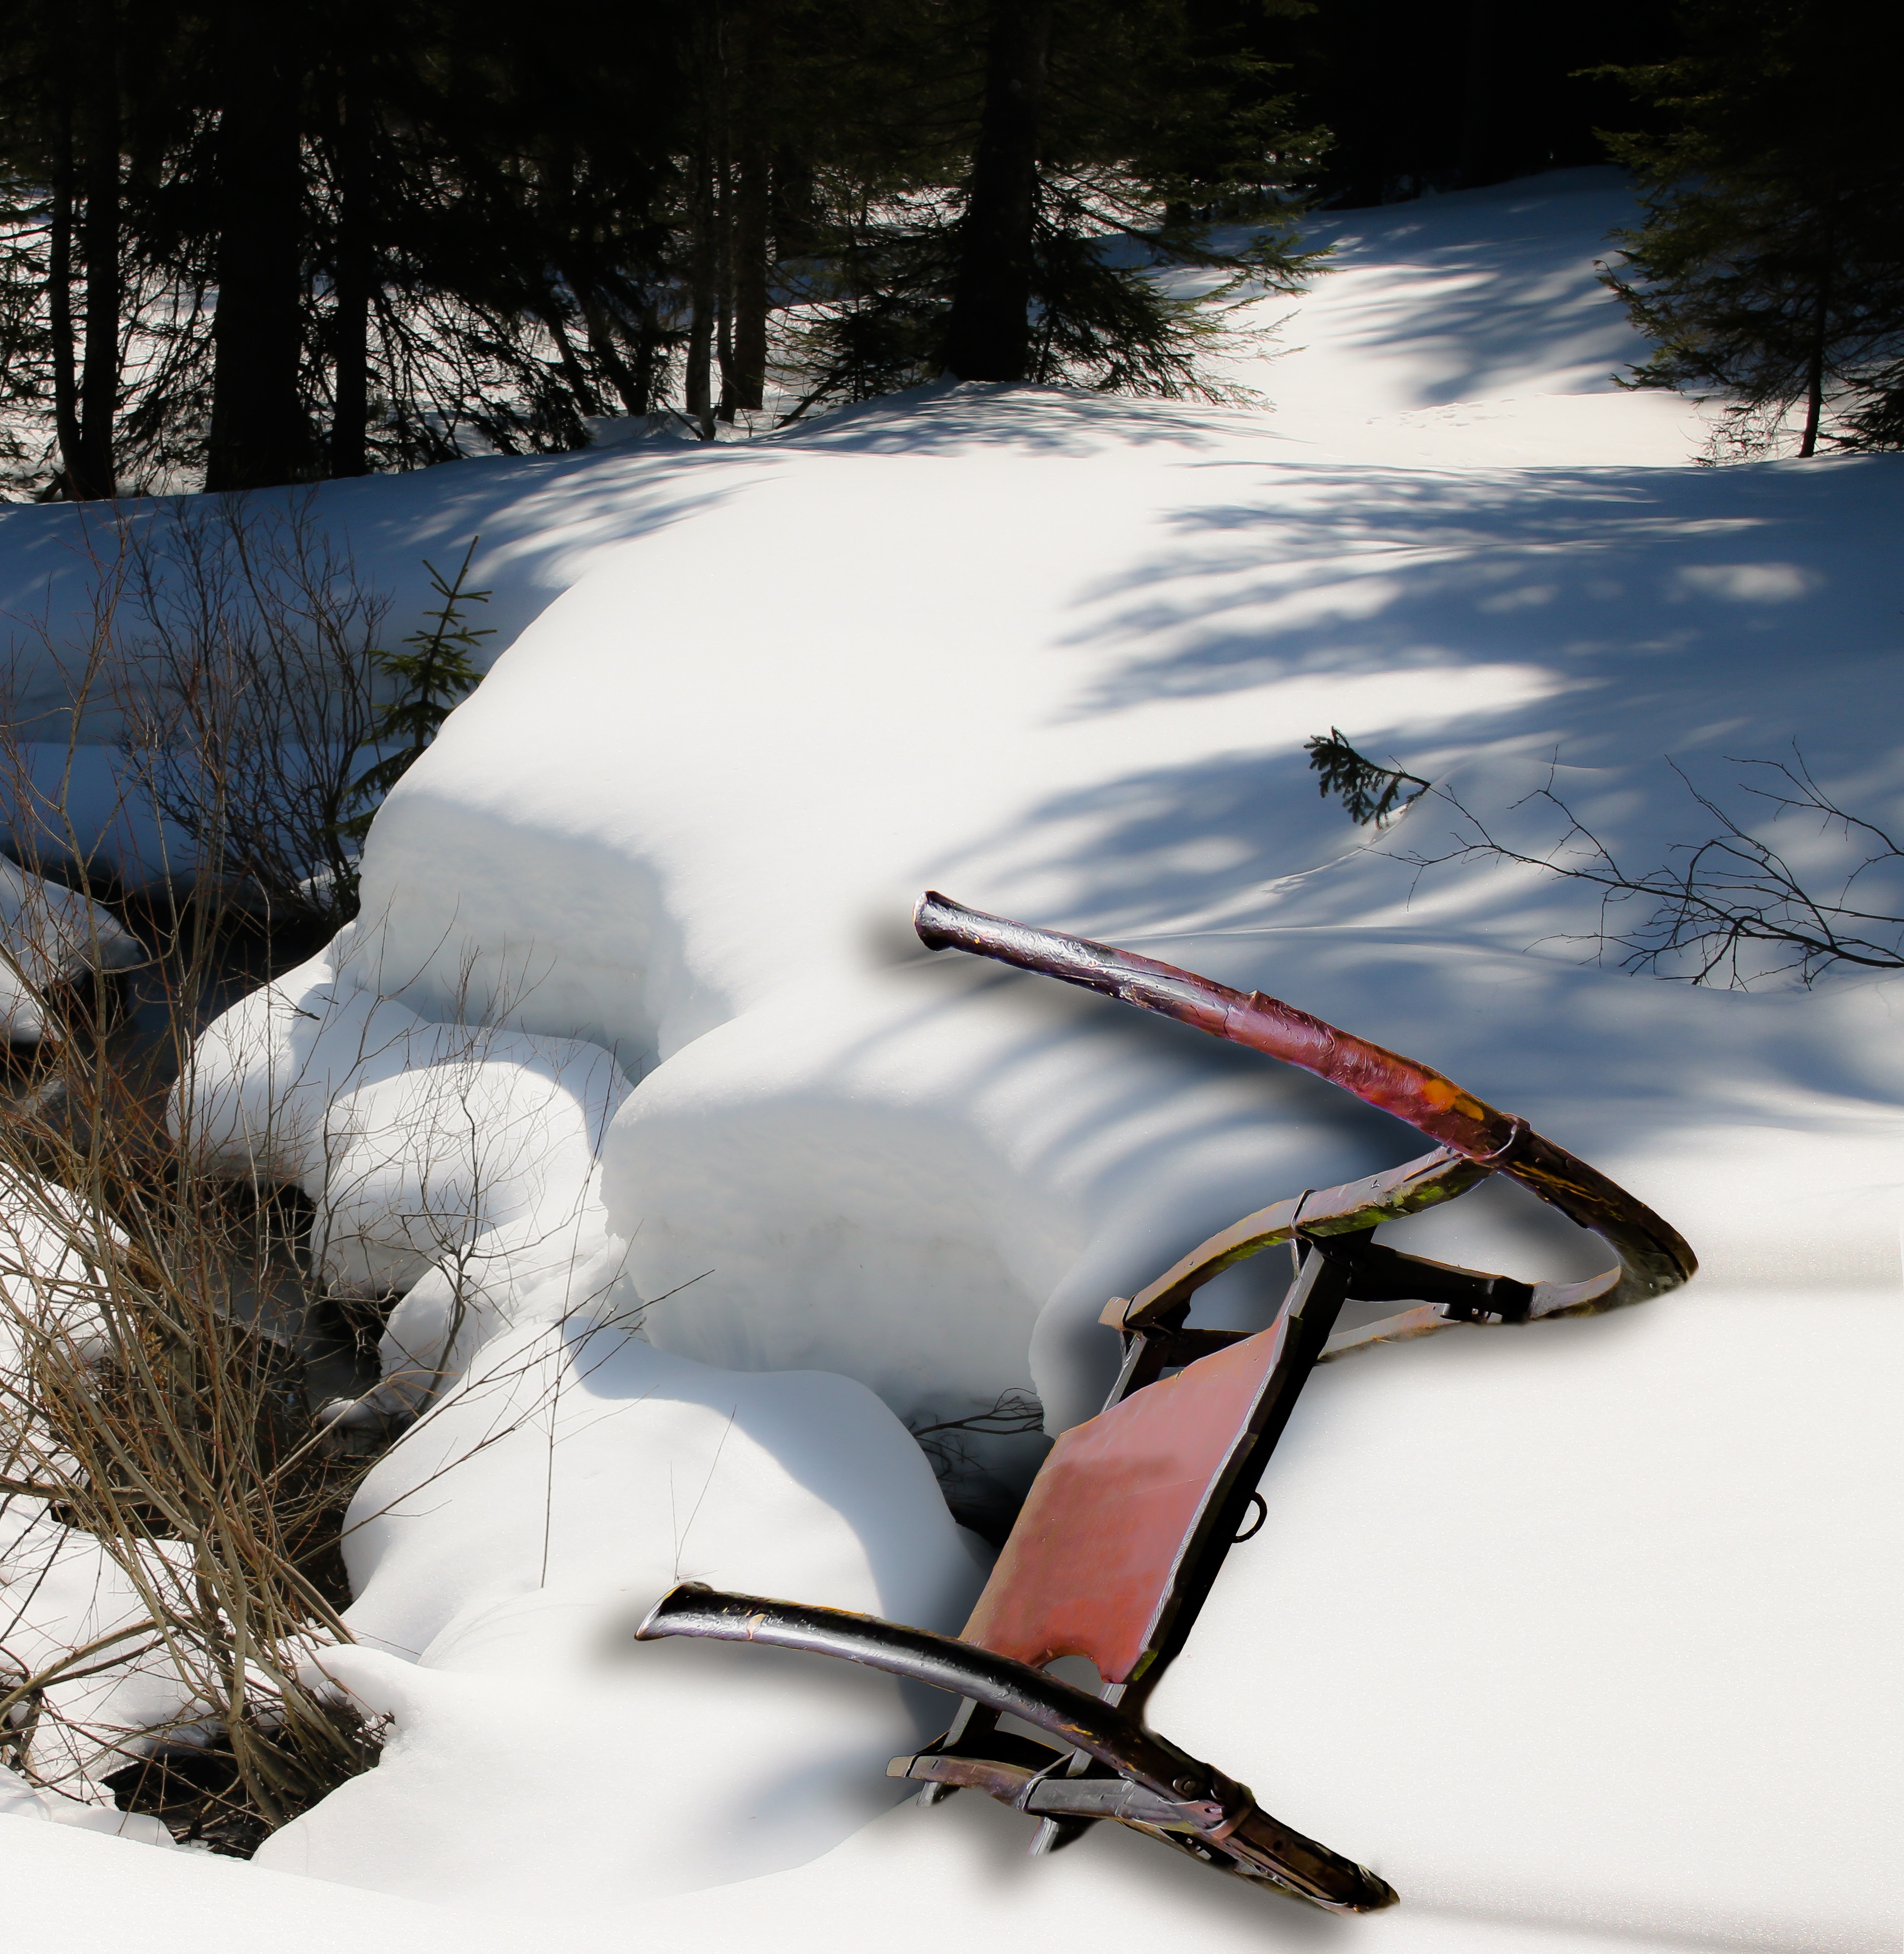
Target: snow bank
[
  {"x": 504, "y": 1553},
  {"x": 49, "y": 936},
  {"x": 415, "y": 1139},
  {"x": 19, "y": 1799},
  {"x": 1104, "y": 732},
  {"x": 1522, "y": 1696}
]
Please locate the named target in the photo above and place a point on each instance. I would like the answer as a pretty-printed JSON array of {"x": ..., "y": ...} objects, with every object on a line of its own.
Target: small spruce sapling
[
  {"x": 1369, "y": 792},
  {"x": 432, "y": 676}
]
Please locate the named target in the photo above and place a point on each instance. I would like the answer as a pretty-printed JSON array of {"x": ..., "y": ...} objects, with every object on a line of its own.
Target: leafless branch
[{"x": 1731, "y": 909}]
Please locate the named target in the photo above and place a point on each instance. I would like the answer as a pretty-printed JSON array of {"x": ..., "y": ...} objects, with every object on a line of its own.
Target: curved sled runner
[{"x": 1125, "y": 1527}]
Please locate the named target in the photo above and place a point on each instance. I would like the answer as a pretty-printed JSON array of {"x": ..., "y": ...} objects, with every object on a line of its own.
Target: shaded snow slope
[
  {"x": 1070, "y": 681},
  {"x": 1457, "y": 331}
]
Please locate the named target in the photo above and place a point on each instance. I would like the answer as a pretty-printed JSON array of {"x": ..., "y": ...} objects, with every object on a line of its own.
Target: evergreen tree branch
[{"x": 433, "y": 677}]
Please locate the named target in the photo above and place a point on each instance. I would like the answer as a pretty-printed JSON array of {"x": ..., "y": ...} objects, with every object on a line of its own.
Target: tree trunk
[
  {"x": 701, "y": 286},
  {"x": 988, "y": 336},
  {"x": 1814, "y": 365},
  {"x": 1813, "y": 404},
  {"x": 727, "y": 41},
  {"x": 59, "y": 303},
  {"x": 353, "y": 272},
  {"x": 650, "y": 366},
  {"x": 99, "y": 381},
  {"x": 257, "y": 437},
  {"x": 752, "y": 189},
  {"x": 703, "y": 265},
  {"x": 1479, "y": 161},
  {"x": 750, "y": 270},
  {"x": 723, "y": 313},
  {"x": 608, "y": 355}
]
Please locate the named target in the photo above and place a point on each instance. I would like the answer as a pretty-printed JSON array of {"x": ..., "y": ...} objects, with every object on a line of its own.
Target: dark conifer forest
[{"x": 244, "y": 246}]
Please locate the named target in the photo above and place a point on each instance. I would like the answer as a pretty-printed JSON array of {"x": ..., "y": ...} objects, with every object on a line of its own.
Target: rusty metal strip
[
  {"x": 1653, "y": 1256},
  {"x": 1356, "y": 1204},
  {"x": 1580, "y": 1299},
  {"x": 1005, "y": 1781}
]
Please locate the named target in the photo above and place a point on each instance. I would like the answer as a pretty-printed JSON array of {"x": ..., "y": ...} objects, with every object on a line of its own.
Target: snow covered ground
[
  {"x": 1472, "y": 331},
  {"x": 1577, "y": 1636}
]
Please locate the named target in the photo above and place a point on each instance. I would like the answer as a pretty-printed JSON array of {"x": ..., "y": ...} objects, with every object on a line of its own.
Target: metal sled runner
[{"x": 1125, "y": 1527}]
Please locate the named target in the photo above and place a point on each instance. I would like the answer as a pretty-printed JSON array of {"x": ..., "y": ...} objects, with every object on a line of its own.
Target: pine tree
[
  {"x": 430, "y": 678},
  {"x": 1062, "y": 156},
  {"x": 61, "y": 133},
  {"x": 349, "y": 237},
  {"x": 1770, "y": 269}
]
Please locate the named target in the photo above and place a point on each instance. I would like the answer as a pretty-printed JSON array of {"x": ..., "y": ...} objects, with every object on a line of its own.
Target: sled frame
[{"x": 1128, "y": 1521}]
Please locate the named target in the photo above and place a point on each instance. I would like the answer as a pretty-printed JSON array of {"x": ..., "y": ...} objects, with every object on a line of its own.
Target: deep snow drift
[{"x": 1574, "y": 1629}]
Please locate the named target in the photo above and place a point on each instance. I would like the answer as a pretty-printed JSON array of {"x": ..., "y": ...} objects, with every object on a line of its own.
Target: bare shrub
[
  {"x": 169, "y": 1512},
  {"x": 247, "y": 640},
  {"x": 178, "y": 1343},
  {"x": 154, "y": 1333},
  {"x": 1733, "y": 908}
]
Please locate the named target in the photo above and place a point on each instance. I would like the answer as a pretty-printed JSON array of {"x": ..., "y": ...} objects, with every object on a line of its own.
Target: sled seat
[{"x": 1129, "y": 1519}]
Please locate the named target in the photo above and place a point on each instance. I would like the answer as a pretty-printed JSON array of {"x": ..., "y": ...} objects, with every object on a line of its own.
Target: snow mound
[
  {"x": 414, "y": 1139},
  {"x": 50, "y": 937},
  {"x": 1104, "y": 732},
  {"x": 19, "y": 1799},
  {"x": 504, "y": 1554}
]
